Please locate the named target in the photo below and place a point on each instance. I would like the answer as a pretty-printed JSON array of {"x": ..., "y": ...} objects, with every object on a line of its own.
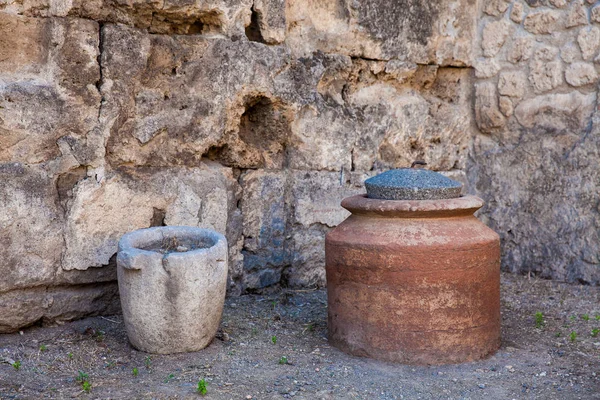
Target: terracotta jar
[{"x": 414, "y": 281}]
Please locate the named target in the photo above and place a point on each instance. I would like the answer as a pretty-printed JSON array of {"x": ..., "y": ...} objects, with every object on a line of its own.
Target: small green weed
[
  {"x": 573, "y": 336},
  {"x": 43, "y": 347},
  {"x": 169, "y": 378},
  {"x": 81, "y": 376},
  {"x": 557, "y": 334},
  {"x": 70, "y": 355},
  {"x": 148, "y": 362},
  {"x": 86, "y": 386},
  {"x": 99, "y": 335},
  {"x": 585, "y": 317},
  {"x": 201, "y": 387},
  {"x": 572, "y": 318},
  {"x": 539, "y": 320},
  {"x": 135, "y": 371},
  {"x": 16, "y": 365},
  {"x": 283, "y": 360},
  {"x": 274, "y": 339},
  {"x": 597, "y": 317},
  {"x": 595, "y": 332}
]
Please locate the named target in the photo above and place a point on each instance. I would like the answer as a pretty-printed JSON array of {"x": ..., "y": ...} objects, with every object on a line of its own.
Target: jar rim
[{"x": 459, "y": 206}]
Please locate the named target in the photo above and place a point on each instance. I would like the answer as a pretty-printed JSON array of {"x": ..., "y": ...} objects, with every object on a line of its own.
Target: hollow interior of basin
[{"x": 177, "y": 244}]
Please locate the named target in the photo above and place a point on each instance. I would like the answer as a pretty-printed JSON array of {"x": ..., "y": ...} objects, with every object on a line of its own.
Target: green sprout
[
  {"x": 274, "y": 339},
  {"x": 201, "y": 387},
  {"x": 573, "y": 336},
  {"x": 16, "y": 365},
  {"x": 43, "y": 347},
  {"x": 585, "y": 317},
  {"x": 539, "y": 320},
  {"x": 135, "y": 371},
  {"x": 595, "y": 332}
]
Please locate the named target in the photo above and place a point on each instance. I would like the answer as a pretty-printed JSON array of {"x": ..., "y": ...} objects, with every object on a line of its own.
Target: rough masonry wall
[
  {"x": 536, "y": 158},
  {"x": 254, "y": 118}
]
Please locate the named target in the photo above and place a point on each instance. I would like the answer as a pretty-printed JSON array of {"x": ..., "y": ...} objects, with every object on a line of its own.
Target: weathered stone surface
[
  {"x": 558, "y": 3},
  {"x": 542, "y": 22},
  {"x": 21, "y": 308},
  {"x": 528, "y": 180},
  {"x": 595, "y": 13},
  {"x": 577, "y": 14},
  {"x": 569, "y": 52},
  {"x": 545, "y": 75},
  {"x": 486, "y": 67},
  {"x": 101, "y": 212},
  {"x": 494, "y": 37},
  {"x": 378, "y": 29},
  {"x": 496, "y": 7},
  {"x": 512, "y": 84},
  {"x": 506, "y": 106},
  {"x": 556, "y": 111},
  {"x": 517, "y": 13},
  {"x": 580, "y": 74},
  {"x": 521, "y": 49},
  {"x": 487, "y": 114},
  {"x": 589, "y": 41}
]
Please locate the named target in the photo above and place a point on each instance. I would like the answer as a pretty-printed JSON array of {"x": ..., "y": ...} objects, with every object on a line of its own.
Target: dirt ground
[{"x": 274, "y": 347}]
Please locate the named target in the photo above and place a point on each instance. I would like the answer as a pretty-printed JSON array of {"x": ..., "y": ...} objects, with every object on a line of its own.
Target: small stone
[
  {"x": 569, "y": 52},
  {"x": 249, "y": 397},
  {"x": 512, "y": 84},
  {"x": 400, "y": 70},
  {"x": 545, "y": 76},
  {"x": 494, "y": 36},
  {"x": 517, "y": 13},
  {"x": 595, "y": 13},
  {"x": 580, "y": 74},
  {"x": 589, "y": 41},
  {"x": 481, "y": 386},
  {"x": 546, "y": 53},
  {"x": 486, "y": 67},
  {"x": 487, "y": 114},
  {"x": 543, "y": 373},
  {"x": 542, "y": 22},
  {"x": 520, "y": 50},
  {"x": 506, "y": 106},
  {"x": 577, "y": 15},
  {"x": 182, "y": 249},
  {"x": 317, "y": 369},
  {"x": 559, "y": 3},
  {"x": 510, "y": 368},
  {"x": 496, "y": 7}
]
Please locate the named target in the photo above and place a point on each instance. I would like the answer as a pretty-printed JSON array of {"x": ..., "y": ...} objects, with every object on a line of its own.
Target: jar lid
[{"x": 412, "y": 184}]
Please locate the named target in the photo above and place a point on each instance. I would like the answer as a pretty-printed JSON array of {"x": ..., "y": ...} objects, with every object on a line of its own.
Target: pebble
[{"x": 481, "y": 386}]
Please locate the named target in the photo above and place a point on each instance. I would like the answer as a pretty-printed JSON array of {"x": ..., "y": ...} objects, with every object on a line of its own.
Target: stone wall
[
  {"x": 254, "y": 118},
  {"x": 257, "y": 117},
  {"x": 536, "y": 157}
]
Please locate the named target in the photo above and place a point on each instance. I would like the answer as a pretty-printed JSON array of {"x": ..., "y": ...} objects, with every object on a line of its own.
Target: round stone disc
[{"x": 412, "y": 184}]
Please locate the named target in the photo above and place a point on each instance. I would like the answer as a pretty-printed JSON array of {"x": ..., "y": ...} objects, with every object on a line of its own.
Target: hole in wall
[
  {"x": 158, "y": 217},
  {"x": 253, "y": 32}
]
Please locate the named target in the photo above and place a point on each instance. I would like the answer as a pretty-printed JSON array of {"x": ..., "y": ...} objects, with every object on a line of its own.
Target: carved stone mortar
[{"x": 172, "y": 282}]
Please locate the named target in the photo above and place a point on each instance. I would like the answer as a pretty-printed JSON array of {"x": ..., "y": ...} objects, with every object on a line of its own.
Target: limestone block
[
  {"x": 517, "y": 13},
  {"x": 577, "y": 14},
  {"x": 308, "y": 263},
  {"x": 512, "y": 84},
  {"x": 556, "y": 111},
  {"x": 382, "y": 30},
  {"x": 580, "y": 74},
  {"x": 542, "y": 22},
  {"x": 544, "y": 75},
  {"x": 31, "y": 231},
  {"x": 494, "y": 36},
  {"x": 24, "y": 307},
  {"x": 101, "y": 212},
  {"x": 265, "y": 213},
  {"x": 589, "y": 41},
  {"x": 317, "y": 195},
  {"x": 271, "y": 20},
  {"x": 401, "y": 126},
  {"x": 487, "y": 113},
  {"x": 48, "y": 93}
]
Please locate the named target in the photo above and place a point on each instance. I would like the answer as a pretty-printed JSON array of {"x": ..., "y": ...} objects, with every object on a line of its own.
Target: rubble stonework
[
  {"x": 533, "y": 159},
  {"x": 256, "y": 118}
]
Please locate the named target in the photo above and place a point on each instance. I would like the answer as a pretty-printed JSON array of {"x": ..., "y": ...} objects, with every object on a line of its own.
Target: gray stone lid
[{"x": 412, "y": 184}]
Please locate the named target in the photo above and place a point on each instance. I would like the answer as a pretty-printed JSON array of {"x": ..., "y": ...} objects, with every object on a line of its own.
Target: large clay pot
[
  {"x": 414, "y": 281},
  {"x": 172, "y": 282}
]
